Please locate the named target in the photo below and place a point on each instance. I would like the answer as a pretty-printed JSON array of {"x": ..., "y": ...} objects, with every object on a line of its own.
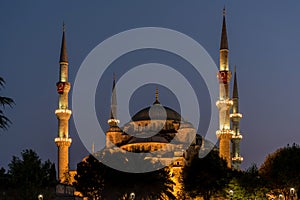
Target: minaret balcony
[
  {"x": 63, "y": 114},
  {"x": 111, "y": 121},
  {"x": 57, "y": 111},
  {"x": 237, "y": 137},
  {"x": 59, "y": 139},
  {"x": 236, "y": 115},
  {"x": 238, "y": 158},
  {"x": 63, "y": 142},
  {"x": 225, "y": 132},
  {"x": 224, "y": 103}
]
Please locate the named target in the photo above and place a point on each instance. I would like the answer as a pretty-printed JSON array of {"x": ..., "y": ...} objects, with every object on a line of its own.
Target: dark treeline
[{"x": 209, "y": 178}]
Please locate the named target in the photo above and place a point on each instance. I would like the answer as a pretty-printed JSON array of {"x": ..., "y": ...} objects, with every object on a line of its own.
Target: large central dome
[
  {"x": 155, "y": 128},
  {"x": 157, "y": 112}
]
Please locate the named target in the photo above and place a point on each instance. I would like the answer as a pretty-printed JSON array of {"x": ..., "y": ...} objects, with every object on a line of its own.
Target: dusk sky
[{"x": 264, "y": 39}]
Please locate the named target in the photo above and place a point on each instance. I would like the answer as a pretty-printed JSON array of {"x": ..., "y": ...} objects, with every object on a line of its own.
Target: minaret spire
[
  {"x": 113, "y": 107},
  {"x": 63, "y": 114},
  {"x": 63, "y": 50},
  {"x": 113, "y": 121},
  {"x": 224, "y": 41},
  {"x": 224, "y": 46},
  {"x": 156, "y": 96},
  {"x": 235, "y": 93}
]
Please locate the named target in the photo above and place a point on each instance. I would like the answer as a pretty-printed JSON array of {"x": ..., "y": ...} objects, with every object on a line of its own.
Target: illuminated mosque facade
[{"x": 162, "y": 123}]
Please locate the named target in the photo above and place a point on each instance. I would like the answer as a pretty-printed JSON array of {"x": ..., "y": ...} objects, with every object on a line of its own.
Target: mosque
[{"x": 153, "y": 128}]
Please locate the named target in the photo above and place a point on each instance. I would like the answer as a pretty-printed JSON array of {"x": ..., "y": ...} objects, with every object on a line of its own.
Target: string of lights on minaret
[{"x": 63, "y": 113}]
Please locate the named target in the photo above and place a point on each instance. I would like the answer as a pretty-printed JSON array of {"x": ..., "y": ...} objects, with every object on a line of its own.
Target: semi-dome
[{"x": 157, "y": 112}]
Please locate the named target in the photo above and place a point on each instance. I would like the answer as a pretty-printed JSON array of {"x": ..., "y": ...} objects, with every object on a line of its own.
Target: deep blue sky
[{"x": 263, "y": 40}]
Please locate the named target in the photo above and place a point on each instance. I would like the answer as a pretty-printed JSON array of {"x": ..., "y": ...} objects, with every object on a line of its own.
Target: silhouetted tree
[
  {"x": 89, "y": 177},
  {"x": 109, "y": 183},
  {"x": 4, "y": 101},
  {"x": 5, "y": 181},
  {"x": 30, "y": 176},
  {"x": 282, "y": 170},
  {"x": 206, "y": 176}
]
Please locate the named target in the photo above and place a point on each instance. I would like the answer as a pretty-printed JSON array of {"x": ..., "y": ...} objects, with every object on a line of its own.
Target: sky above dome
[{"x": 263, "y": 41}]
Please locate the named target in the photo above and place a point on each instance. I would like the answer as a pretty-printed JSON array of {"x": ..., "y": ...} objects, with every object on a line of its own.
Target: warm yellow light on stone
[{"x": 63, "y": 115}]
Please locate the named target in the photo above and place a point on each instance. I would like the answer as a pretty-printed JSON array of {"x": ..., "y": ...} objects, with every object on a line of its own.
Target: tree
[
  {"x": 234, "y": 190},
  {"x": 89, "y": 177},
  {"x": 4, "y": 101},
  {"x": 206, "y": 176},
  {"x": 282, "y": 170},
  {"x": 4, "y": 181},
  {"x": 247, "y": 184},
  {"x": 96, "y": 180},
  {"x": 30, "y": 176}
]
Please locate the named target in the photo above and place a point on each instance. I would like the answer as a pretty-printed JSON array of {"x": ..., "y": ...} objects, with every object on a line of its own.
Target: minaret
[
  {"x": 114, "y": 133},
  {"x": 224, "y": 103},
  {"x": 63, "y": 113},
  {"x": 235, "y": 118}
]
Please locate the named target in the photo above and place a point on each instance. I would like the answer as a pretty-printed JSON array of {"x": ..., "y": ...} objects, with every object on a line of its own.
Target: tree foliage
[
  {"x": 4, "y": 102},
  {"x": 96, "y": 180},
  {"x": 206, "y": 176},
  {"x": 247, "y": 185},
  {"x": 28, "y": 176},
  {"x": 282, "y": 170},
  {"x": 89, "y": 179}
]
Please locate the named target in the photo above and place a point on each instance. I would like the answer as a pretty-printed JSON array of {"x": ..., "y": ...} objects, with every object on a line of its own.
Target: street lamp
[
  {"x": 40, "y": 197},
  {"x": 132, "y": 196},
  {"x": 281, "y": 197},
  {"x": 230, "y": 194},
  {"x": 292, "y": 193}
]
